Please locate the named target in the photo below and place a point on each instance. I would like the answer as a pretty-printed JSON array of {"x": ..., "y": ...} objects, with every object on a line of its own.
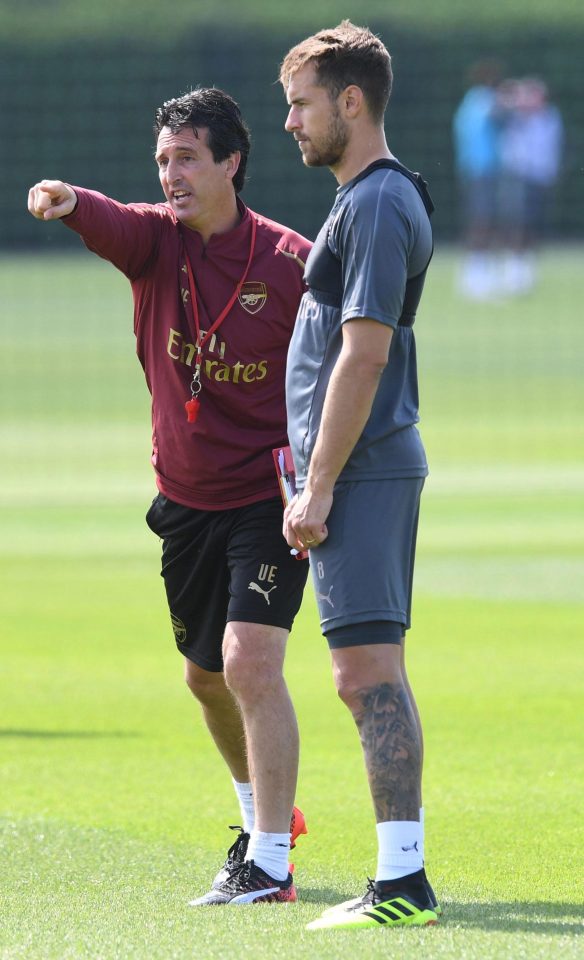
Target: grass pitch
[{"x": 113, "y": 804}]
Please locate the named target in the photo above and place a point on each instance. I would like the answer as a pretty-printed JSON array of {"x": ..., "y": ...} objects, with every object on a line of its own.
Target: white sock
[
  {"x": 422, "y": 835},
  {"x": 245, "y": 796},
  {"x": 269, "y": 851},
  {"x": 399, "y": 849}
]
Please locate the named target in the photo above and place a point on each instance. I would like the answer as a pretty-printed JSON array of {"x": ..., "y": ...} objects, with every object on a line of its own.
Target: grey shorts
[{"x": 363, "y": 571}]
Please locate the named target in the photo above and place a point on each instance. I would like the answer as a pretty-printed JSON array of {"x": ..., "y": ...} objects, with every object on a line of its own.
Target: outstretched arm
[
  {"x": 125, "y": 234},
  {"x": 51, "y": 200}
]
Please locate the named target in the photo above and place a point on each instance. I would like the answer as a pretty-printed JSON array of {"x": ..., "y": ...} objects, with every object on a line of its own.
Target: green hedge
[
  {"x": 82, "y": 111},
  {"x": 45, "y": 22}
]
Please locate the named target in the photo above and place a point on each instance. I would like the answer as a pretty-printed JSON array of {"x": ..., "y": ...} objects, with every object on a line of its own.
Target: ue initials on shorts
[{"x": 267, "y": 572}]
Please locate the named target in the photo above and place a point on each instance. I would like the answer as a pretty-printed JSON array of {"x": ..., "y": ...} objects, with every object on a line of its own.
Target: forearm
[
  {"x": 349, "y": 398},
  {"x": 346, "y": 409},
  {"x": 115, "y": 231}
]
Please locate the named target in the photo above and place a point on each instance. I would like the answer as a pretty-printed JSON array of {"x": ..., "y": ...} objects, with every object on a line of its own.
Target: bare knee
[
  {"x": 360, "y": 672},
  {"x": 253, "y": 656},
  {"x": 351, "y": 690},
  {"x": 205, "y": 685},
  {"x": 248, "y": 673}
]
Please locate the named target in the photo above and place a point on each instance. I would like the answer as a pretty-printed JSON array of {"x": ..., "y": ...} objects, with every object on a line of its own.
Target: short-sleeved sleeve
[{"x": 373, "y": 236}]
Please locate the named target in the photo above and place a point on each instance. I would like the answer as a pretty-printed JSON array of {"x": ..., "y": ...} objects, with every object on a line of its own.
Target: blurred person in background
[
  {"x": 476, "y": 151},
  {"x": 216, "y": 289},
  {"x": 531, "y": 146}
]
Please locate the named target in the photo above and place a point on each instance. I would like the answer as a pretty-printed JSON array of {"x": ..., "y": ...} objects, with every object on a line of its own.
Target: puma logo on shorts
[{"x": 264, "y": 593}]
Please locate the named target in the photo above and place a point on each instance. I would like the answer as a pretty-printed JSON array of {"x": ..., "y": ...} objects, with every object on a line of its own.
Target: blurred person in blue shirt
[{"x": 531, "y": 147}]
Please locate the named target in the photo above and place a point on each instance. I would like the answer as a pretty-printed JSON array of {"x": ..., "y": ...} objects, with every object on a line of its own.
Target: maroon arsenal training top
[{"x": 224, "y": 459}]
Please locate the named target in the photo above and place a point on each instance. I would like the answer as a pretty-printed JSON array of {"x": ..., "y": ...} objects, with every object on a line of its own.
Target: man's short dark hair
[
  {"x": 342, "y": 56},
  {"x": 219, "y": 113}
]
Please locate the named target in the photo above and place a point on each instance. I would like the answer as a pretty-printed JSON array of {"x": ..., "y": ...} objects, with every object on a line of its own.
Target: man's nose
[
  {"x": 291, "y": 121},
  {"x": 172, "y": 171}
]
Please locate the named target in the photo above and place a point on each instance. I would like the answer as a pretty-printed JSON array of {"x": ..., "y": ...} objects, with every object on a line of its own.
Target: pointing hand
[{"x": 51, "y": 200}]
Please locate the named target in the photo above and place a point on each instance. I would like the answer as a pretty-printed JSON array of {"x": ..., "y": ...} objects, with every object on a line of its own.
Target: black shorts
[{"x": 222, "y": 565}]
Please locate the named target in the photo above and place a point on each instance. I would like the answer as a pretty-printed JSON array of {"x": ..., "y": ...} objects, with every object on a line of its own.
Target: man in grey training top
[{"x": 352, "y": 401}]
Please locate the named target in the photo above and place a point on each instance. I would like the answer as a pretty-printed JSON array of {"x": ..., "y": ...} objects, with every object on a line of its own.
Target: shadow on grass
[
  {"x": 510, "y": 917},
  {"x": 69, "y": 734},
  {"x": 515, "y": 916},
  {"x": 329, "y": 896}
]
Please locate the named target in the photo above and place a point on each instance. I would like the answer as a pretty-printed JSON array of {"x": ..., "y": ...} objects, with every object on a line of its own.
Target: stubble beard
[{"x": 329, "y": 151}]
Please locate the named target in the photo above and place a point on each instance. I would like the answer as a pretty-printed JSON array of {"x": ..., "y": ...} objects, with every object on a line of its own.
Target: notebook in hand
[{"x": 287, "y": 479}]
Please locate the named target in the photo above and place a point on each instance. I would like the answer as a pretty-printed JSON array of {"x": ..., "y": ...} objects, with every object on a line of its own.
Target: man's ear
[
  {"x": 231, "y": 164},
  {"x": 352, "y": 100}
]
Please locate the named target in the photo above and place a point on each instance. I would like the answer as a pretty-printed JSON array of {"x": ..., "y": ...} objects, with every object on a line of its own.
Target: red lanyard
[{"x": 192, "y": 405}]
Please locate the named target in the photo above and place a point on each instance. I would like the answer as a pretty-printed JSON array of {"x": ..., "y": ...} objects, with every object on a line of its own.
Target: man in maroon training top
[{"x": 216, "y": 289}]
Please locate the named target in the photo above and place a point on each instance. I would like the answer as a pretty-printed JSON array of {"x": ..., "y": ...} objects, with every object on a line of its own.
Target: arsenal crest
[{"x": 253, "y": 295}]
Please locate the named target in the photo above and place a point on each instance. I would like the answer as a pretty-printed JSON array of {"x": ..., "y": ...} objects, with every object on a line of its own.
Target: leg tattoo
[{"x": 391, "y": 745}]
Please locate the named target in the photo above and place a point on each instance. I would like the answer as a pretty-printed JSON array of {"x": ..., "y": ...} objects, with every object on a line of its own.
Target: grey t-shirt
[{"x": 369, "y": 260}]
